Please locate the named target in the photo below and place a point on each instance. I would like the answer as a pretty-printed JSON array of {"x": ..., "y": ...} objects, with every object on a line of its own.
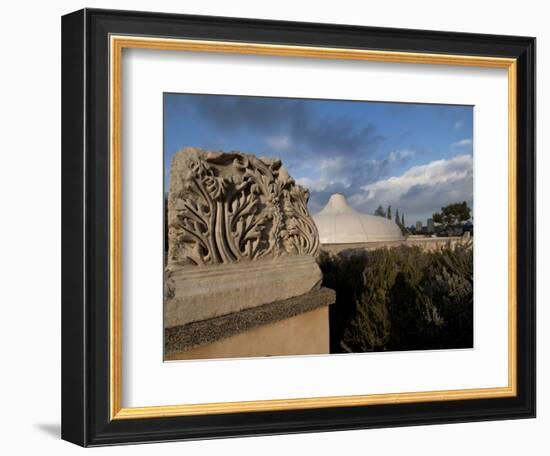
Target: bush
[{"x": 400, "y": 298}]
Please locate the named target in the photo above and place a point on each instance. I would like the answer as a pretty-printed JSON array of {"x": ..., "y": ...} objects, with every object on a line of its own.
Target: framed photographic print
[{"x": 278, "y": 227}]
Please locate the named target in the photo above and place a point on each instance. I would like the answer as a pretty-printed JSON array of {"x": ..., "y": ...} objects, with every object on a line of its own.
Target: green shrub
[{"x": 401, "y": 298}]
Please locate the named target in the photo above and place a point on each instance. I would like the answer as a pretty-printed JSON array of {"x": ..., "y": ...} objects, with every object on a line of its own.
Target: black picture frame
[{"x": 85, "y": 228}]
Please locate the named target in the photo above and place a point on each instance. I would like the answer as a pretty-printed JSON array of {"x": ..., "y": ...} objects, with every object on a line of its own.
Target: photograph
[
  {"x": 289, "y": 225},
  {"x": 297, "y": 226}
]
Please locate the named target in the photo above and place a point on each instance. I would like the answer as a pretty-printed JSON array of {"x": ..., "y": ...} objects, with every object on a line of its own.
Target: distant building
[
  {"x": 339, "y": 223},
  {"x": 431, "y": 226},
  {"x": 343, "y": 229},
  {"x": 468, "y": 227}
]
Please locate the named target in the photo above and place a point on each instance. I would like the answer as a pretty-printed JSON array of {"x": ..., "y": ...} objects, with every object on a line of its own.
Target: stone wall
[
  {"x": 304, "y": 334},
  {"x": 425, "y": 243}
]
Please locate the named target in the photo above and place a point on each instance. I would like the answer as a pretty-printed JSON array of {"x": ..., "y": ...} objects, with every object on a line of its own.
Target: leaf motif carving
[{"x": 230, "y": 207}]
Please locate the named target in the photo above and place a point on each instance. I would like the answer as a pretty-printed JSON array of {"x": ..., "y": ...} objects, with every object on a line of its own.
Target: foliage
[
  {"x": 388, "y": 212},
  {"x": 453, "y": 215},
  {"x": 380, "y": 212},
  {"x": 400, "y": 298}
]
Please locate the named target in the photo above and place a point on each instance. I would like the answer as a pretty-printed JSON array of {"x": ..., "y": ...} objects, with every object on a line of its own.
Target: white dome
[{"x": 339, "y": 223}]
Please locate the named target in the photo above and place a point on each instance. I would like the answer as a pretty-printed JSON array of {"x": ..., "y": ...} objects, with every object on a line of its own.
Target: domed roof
[{"x": 339, "y": 223}]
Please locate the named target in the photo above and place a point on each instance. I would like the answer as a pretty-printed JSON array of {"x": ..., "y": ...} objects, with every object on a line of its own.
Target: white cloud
[
  {"x": 342, "y": 174},
  {"x": 333, "y": 165},
  {"x": 331, "y": 171},
  {"x": 318, "y": 185},
  {"x": 422, "y": 189},
  {"x": 279, "y": 143},
  {"x": 401, "y": 154},
  {"x": 458, "y": 125},
  {"x": 462, "y": 142}
]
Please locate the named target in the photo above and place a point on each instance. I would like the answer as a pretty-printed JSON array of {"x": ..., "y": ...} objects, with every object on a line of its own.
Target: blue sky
[{"x": 414, "y": 157}]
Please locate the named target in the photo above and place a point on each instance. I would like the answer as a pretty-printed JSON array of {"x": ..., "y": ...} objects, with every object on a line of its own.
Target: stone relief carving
[{"x": 231, "y": 207}]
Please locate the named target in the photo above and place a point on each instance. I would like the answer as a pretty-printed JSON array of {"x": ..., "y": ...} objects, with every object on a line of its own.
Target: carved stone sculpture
[
  {"x": 239, "y": 235},
  {"x": 230, "y": 207}
]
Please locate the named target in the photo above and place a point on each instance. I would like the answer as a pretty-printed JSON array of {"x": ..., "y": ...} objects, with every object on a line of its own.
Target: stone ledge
[
  {"x": 200, "y": 333},
  {"x": 205, "y": 292}
]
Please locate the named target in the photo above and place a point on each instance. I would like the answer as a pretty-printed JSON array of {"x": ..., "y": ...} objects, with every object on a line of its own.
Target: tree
[
  {"x": 389, "y": 212},
  {"x": 402, "y": 219},
  {"x": 453, "y": 215},
  {"x": 397, "y": 219},
  {"x": 380, "y": 212}
]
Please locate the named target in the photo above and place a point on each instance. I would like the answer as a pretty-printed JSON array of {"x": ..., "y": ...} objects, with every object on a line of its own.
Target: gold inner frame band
[{"x": 117, "y": 44}]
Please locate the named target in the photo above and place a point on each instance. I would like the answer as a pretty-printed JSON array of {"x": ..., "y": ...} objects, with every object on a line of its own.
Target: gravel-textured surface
[{"x": 199, "y": 333}]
